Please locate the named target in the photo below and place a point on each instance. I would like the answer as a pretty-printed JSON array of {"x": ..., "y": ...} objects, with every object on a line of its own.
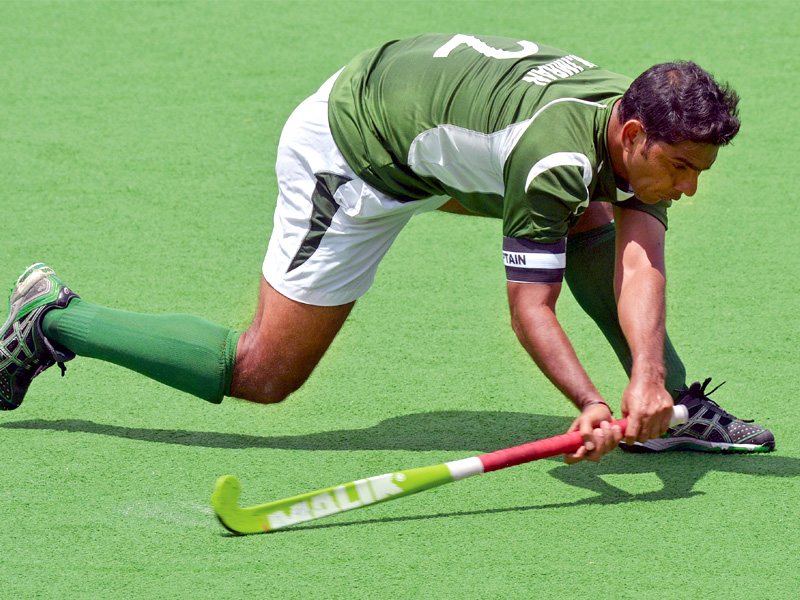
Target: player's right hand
[{"x": 648, "y": 408}]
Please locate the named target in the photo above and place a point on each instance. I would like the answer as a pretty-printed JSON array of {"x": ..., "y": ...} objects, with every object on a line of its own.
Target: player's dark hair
[{"x": 680, "y": 102}]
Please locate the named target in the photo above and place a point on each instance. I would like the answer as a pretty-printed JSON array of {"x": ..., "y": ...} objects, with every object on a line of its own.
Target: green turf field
[{"x": 137, "y": 143}]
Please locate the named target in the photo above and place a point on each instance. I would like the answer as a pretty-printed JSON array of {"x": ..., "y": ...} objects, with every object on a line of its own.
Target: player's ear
[{"x": 632, "y": 133}]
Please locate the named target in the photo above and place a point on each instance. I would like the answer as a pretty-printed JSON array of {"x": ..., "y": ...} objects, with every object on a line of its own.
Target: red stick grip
[{"x": 560, "y": 444}]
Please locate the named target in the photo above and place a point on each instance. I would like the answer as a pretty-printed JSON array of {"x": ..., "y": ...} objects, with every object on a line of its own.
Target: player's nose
[{"x": 687, "y": 184}]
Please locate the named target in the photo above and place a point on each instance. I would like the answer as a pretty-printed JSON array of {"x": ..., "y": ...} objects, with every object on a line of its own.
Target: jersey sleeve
[
  {"x": 543, "y": 200},
  {"x": 542, "y": 204},
  {"x": 658, "y": 210}
]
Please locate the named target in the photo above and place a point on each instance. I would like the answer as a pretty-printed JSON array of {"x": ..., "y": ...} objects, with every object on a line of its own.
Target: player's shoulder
[{"x": 563, "y": 124}]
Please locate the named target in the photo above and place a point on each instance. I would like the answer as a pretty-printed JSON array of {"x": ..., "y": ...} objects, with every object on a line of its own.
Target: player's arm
[
  {"x": 640, "y": 285},
  {"x": 546, "y": 187},
  {"x": 533, "y": 317}
]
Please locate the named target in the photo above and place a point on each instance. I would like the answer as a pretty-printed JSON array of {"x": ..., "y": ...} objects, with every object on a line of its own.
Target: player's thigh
[
  {"x": 331, "y": 229},
  {"x": 294, "y": 331},
  {"x": 335, "y": 263}
]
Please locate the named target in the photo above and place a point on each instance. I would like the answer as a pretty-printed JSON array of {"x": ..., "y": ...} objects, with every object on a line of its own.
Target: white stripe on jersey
[
  {"x": 562, "y": 159},
  {"x": 472, "y": 161}
]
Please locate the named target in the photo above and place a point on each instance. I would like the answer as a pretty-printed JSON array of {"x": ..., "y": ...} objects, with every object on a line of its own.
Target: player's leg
[
  {"x": 48, "y": 323},
  {"x": 590, "y": 276},
  {"x": 314, "y": 279},
  {"x": 283, "y": 345},
  {"x": 331, "y": 231}
]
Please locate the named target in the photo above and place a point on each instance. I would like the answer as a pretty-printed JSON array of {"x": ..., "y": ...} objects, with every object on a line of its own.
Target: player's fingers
[
  {"x": 657, "y": 425},
  {"x": 650, "y": 430},
  {"x": 632, "y": 430},
  {"x": 663, "y": 423},
  {"x": 606, "y": 439},
  {"x": 576, "y": 456},
  {"x": 644, "y": 432},
  {"x": 587, "y": 432},
  {"x": 616, "y": 432},
  {"x": 613, "y": 435},
  {"x": 600, "y": 445}
]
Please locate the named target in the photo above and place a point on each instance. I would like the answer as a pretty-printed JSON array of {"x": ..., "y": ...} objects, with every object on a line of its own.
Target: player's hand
[
  {"x": 648, "y": 407},
  {"x": 599, "y": 437}
]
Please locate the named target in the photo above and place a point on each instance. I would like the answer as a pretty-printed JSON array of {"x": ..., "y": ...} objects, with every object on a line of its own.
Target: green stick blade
[{"x": 321, "y": 503}]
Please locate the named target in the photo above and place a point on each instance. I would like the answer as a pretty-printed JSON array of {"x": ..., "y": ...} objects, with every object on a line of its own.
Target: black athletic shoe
[
  {"x": 709, "y": 428},
  {"x": 24, "y": 350}
]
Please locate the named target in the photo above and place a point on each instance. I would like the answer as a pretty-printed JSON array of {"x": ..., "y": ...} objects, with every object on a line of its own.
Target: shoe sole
[{"x": 662, "y": 445}]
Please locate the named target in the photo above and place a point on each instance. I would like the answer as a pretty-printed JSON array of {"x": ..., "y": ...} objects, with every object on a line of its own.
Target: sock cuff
[
  {"x": 228, "y": 360},
  {"x": 68, "y": 326}
]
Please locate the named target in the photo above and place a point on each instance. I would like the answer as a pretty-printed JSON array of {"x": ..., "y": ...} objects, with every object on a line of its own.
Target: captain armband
[{"x": 531, "y": 262}]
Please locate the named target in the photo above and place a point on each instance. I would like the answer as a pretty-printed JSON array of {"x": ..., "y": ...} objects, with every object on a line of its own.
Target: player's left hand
[{"x": 599, "y": 437}]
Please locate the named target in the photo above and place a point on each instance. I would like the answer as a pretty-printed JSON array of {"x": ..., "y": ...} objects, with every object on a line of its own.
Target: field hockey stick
[{"x": 357, "y": 494}]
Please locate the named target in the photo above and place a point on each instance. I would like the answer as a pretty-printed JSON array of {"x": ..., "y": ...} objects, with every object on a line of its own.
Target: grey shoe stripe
[{"x": 19, "y": 333}]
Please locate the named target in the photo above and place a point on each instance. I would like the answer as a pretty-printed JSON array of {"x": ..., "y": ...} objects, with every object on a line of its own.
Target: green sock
[
  {"x": 182, "y": 351},
  {"x": 590, "y": 276}
]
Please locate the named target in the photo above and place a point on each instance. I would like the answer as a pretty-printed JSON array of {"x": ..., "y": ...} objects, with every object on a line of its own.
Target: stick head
[{"x": 225, "y": 501}]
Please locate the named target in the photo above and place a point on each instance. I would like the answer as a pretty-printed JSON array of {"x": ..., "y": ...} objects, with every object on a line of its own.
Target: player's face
[{"x": 668, "y": 171}]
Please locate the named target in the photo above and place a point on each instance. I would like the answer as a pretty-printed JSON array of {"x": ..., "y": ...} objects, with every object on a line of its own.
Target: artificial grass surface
[{"x": 137, "y": 142}]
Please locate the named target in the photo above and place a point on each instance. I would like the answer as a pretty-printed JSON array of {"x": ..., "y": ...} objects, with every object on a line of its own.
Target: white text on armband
[{"x": 531, "y": 262}]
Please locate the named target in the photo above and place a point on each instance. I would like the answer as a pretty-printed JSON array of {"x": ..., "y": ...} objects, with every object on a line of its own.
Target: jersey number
[{"x": 528, "y": 48}]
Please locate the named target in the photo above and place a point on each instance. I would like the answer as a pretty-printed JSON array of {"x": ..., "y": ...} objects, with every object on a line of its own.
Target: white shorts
[{"x": 331, "y": 228}]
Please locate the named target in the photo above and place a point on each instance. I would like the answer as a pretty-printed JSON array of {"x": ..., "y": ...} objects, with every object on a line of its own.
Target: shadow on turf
[
  {"x": 473, "y": 432},
  {"x": 476, "y": 431}
]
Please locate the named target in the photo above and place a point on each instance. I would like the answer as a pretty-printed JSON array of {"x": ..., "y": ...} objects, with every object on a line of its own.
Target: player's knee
[
  {"x": 261, "y": 396},
  {"x": 272, "y": 388}
]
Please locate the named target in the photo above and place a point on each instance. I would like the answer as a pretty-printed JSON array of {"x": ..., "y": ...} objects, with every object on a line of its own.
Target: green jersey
[{"x": 510, "y": 129}]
